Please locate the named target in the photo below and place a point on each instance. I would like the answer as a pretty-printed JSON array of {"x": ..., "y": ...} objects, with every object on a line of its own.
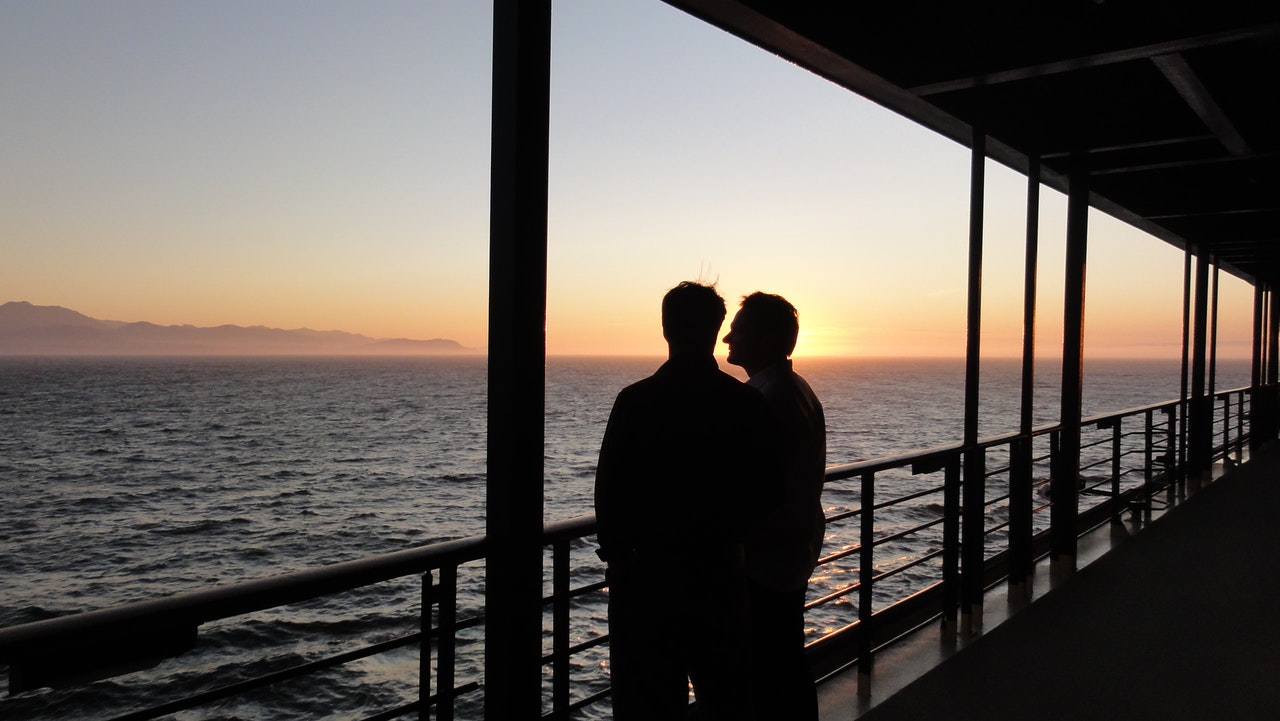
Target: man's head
[
  {"x": 692, "y": 314},
  {"x": 763, "y": 332}
]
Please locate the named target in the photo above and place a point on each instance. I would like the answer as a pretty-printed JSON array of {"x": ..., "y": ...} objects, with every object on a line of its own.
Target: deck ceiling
[{"x": 1173, "y": 108}]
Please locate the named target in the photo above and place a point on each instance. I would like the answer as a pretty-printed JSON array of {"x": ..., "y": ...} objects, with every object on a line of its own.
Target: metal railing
[{"x": 903, "y": 561}]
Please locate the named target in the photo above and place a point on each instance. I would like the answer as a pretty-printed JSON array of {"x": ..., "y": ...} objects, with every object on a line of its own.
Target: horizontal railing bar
[
  {"x": 839, "y": 555},
  {"x": 846, "y": 590},
  {"x": 907, "y": 532},
  {"x": 844, "y": 515},
  {"x": 585, "y": 645},
  {"x": 876, "y": 465},
  {"x": 288, "y": 673},
  {"x": 432, "y": 700},
  {"x": 579, "y": 591},
  {"x": 245, "y": 597},
  {"x": 569, "y": 529},
  {"x": 996, "y": 528},
  {"x": 395, "y": 713},
  {"x": 909, "y": 565},
  {"x": 910, "y": 497},
  {"x": 585, "y": 701},
  {"x": 268, "y": 679},
  {"x": 838, "y": 593}
]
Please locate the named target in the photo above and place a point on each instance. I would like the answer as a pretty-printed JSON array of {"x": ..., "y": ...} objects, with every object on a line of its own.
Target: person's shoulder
[
  {"x": 746, "y": 396},
  {"x": 801, "y": 383},
  {"x": 798, "y": 380},
  {"x": 638, "y": 388},
  {"x": 731, "y": 383}
]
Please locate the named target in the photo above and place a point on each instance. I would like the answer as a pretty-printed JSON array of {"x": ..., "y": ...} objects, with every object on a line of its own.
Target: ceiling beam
[
  {"x": 1197, "y": 96},
  {"x": 1067, "y": 65}
]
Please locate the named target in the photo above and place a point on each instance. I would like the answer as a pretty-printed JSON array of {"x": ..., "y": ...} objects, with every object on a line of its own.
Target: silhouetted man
[
  {"x": 686, "y": 462},
  {"x": 783, "y": 548}
]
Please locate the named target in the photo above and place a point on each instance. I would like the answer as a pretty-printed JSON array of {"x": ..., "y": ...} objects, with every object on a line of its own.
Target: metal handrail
[{"x": 97, "y": 634}]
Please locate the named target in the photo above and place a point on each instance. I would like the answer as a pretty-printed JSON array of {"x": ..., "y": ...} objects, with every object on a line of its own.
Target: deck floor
[{"x": 1179, "y": 621}]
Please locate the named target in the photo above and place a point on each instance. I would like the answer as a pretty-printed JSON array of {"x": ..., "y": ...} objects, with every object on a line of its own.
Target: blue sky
[{"x": 325, "y": 165}]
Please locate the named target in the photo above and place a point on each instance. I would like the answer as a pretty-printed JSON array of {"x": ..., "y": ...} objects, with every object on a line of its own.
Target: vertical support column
[
  {"x": 1272, "y": 336},
  {"x": 1213, "y": 327},
  {"x": 1021, "y": 482},
  {"x": 1212, "y": 381},
  {"x": 1200, "y": 416},
  {"x": 1257, "y": 416},
  {"x": 1064, "y": 487},
  {"x": 1272, "y": 370},
  {"x": 973, "y": 556},
  {"x": 517, "y": 356},
  {"x": 1184, "y": 393}
]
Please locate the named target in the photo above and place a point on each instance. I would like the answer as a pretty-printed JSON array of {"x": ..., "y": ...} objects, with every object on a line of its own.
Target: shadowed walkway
[{"x": 1181, "y": 621}]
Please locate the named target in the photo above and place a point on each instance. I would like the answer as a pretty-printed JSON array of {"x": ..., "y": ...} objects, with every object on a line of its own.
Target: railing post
[
  {"x": 424, "y": 654},
  {"x": 447, "y": 648},
  {"x": 973, "y": 540},
  {"x": 1171, "y": 466},
  {"x": 1200, "y": 419},
  {"x": 560, "y": 629},
  {"x": 866, "y": 576},
  {"x": 1240, "y": 415},
  {"x": 1256, "y": 369},
  {"x": 1116, "y": 433},
  {"x": 1226, "y": 428},
  {"x": 1148, "y": 462},
  {"x": 1021, "y": 554},
  {"x": 951, "y": 546}
]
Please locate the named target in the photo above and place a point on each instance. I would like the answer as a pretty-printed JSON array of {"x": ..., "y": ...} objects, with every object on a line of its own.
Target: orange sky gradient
[{"x": 332, "y": 173}]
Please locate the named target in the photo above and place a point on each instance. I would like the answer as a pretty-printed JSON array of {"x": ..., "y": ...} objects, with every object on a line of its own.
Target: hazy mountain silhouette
[{"x": 27, "y": 329}]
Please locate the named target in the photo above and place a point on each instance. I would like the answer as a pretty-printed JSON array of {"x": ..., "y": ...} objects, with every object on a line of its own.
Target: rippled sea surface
[{"x": 131, "y": 479}]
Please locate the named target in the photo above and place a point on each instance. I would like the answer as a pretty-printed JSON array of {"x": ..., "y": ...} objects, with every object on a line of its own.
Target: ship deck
[{"x": 1178, "y": 621}]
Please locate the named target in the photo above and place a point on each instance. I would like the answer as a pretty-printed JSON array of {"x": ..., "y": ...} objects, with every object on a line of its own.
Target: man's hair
[
  {"x": 692, "y": 314},
  {"x": 775, "y": 319}
]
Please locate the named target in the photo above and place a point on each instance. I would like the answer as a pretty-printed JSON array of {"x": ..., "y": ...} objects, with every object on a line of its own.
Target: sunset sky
[{"x": 325, "y": 165}]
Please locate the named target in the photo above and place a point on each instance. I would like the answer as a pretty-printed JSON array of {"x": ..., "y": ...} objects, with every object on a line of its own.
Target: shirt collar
[{"x": 770, "y": 373}]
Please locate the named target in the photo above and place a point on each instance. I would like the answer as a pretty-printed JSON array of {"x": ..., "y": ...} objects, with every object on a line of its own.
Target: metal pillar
[
  {"x": 1200, "y": 414},
  {"x": 1184, "y": 391},
  {"x": 517, "y": 357},
  {"x": 1213, "y": 328},
  {"x": 1259, "y": 331},
  {"x": 1270, "y": 401},
  {"x": 973, "y": 556},
  {"x": 1064, "y": 487},
  {"x": 1257, "y": 416},
  {"x": 1272, "y": 336},
  {"x": 1021, "y": 482}
]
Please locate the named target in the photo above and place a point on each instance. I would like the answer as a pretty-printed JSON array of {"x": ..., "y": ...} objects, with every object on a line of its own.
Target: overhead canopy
[{"x": 1173, "y": 108}]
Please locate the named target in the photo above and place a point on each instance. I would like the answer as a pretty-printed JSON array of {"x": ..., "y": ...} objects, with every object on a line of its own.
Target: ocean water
[{"x": 130, "y": 479}]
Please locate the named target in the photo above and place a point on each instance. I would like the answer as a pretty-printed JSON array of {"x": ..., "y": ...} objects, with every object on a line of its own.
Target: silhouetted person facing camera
[
  {"x": 687, "y": 462},
  {"x": 783, "y": 547}
]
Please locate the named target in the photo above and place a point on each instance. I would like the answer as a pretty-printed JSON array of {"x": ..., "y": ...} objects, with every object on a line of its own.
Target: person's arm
[{"x": 609, "y": 469}]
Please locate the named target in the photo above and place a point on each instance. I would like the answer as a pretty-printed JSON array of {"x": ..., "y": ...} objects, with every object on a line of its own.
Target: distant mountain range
[{"x": 27, "y": 329}]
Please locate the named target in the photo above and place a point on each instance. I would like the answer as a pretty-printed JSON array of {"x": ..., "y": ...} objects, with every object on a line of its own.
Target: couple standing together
[{"x": 708, "y": 501}]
